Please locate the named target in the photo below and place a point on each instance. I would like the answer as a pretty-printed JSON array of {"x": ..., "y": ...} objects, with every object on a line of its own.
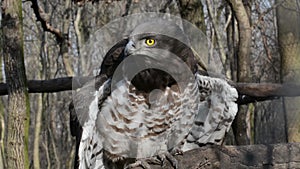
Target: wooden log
[{"x": 242, "y": 157}]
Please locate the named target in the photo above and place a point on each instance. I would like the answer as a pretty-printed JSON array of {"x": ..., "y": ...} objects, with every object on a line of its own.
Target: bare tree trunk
[
  {"x": 244, "y": 39},
  {"x": 192, "y": 10},
  {"x": 2, "y": 109},
  {"x": 37, "y": 130},
  {"x": 65, "y": 44},
  {"x": 240, "y": 124},
  {"x": 218, "y": 33},
  {"x": 39, "y": 113},
  {"x": 288, "y": 20},
  {"x": 2, "y": 131},
  {"x": 18, "y": 102}
]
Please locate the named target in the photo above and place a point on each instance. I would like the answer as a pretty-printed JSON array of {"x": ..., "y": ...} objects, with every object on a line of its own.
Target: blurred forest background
[{"x": 257, "y": 41}]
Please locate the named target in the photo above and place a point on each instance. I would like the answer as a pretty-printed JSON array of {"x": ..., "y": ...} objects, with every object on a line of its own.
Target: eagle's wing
[
  {"x": 217, "y": 109},
  {"x": 79, "y": 112},
  {"x": 90, "y": 149},
  {"x": 83, "y": 97}
]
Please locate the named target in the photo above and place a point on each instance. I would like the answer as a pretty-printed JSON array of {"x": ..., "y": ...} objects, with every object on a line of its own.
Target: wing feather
[
  {"x": 83, "y": 97},
  {"x": 91, "y": 149},
  {"x": 217, "y": 110}
]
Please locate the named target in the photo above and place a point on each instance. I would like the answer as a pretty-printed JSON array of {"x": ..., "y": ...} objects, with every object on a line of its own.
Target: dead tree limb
[{"x": 249, "y": 92}]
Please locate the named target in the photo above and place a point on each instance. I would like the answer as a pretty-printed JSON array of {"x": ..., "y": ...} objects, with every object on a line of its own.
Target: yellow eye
[{"x": 150, "y": 42}]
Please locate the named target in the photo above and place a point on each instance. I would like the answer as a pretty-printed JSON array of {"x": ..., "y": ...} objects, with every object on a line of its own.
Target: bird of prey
[{"x": 155, "y": 105}]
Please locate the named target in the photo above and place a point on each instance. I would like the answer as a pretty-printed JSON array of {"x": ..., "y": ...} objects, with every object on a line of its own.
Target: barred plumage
[{"x": 150, "y": 114}]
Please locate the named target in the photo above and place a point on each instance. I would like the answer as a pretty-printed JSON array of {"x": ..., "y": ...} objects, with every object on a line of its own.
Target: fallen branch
[{"x": 249, "y": 92}]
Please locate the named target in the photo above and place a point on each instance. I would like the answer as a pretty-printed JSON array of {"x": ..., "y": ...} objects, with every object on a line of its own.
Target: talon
[
  {"x": 172, "y": 160},
  {"x": 162, "y": 158},
  {"x": 154, "y": 160},
  {"x": 138, "y": 163},
  {"x": 177, "y": 151}
]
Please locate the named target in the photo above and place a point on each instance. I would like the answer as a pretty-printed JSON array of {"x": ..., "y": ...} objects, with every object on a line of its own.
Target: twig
[
  {"x": 228, "y": 20},
  {"x": 260, "y": 18},
  {"x": 41, "y": 17}
]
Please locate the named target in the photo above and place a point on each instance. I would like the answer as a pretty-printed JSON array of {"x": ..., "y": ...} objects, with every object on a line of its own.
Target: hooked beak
[{"x": 130, "y": 47}]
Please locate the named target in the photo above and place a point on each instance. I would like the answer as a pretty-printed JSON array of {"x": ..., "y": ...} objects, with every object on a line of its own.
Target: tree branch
[
  {"x": 249, "y": 92},
  {"x": 255, "y": 92},
  {"x": 82, "y": 2},
  {"x": 268, "y": 89},
  {"x": 50, "y": 86},
  {"x": 41, "y": 16}
]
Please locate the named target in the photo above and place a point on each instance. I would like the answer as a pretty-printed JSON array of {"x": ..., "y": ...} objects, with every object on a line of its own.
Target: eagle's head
[{"x": 159, "y": 44}]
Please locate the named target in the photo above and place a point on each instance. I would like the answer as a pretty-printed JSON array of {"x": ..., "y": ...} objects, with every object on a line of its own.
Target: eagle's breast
[{"x": 136, "y": 124}]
